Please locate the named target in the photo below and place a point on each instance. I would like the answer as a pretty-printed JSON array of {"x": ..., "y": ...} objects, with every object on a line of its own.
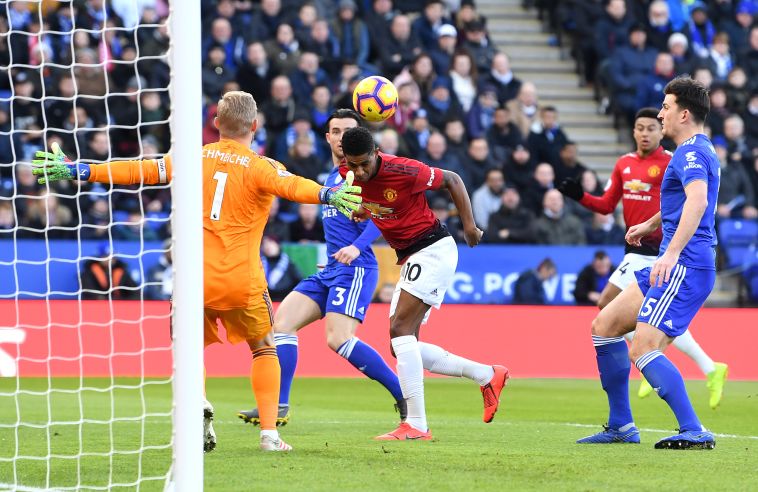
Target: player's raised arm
[
  {"x": 55, "y": 166},
  {"x": 454, "y": 185},
  {"x": 572, "y": 188}
]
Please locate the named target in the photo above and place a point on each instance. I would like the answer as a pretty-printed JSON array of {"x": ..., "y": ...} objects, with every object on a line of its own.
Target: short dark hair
[
  {"x": 341, "y": 113},
  {"x": 600, "y": 255},
  {"x": 690, "y": 95},
  {"x": 547, "y": 263},
  {"x": 357, "y": 141},
  {"x": 647, "y": 113}
]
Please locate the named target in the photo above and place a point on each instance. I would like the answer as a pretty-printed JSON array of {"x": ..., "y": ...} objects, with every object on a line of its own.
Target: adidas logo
[
  {"x": 668, "y": 323},
  {"x": 361, "y": 309},
  {"x": 627, "y": 170},
  {"x": 434, "y": 292}
]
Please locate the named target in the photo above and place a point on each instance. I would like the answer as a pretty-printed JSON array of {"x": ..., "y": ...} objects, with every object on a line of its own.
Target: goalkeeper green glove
[
  {"x": 56, "y": 166},
  {"x": 345, "y": 197}
]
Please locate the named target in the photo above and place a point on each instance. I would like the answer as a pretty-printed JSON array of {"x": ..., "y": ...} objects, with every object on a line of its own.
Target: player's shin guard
[
  {"x": 666, "y": 380},
  {"x": 265, "y": 378},
  {"x": 410, "y": 372},
  {"x": 367, "y": 360},
  {"x": 286, "y": 349},
  {"x": 687, "y": 344},
  {"x": 613, "y": 364},
  {"x": 440, "y": 361}
]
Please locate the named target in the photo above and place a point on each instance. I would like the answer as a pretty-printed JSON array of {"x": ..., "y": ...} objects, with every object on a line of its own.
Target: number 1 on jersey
[{"x": 218, "y": 197}]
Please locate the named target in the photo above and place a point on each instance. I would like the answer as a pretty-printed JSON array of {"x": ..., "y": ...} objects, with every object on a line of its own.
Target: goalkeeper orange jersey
[{"x": 238, "y": 188}]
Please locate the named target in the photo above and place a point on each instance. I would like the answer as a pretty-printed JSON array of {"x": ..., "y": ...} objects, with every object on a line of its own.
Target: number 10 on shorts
[{"x": 411, "y": 272}]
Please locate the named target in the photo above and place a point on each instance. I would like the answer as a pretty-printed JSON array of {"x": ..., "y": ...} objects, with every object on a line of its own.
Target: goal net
[{"x": 86, "y": 363}]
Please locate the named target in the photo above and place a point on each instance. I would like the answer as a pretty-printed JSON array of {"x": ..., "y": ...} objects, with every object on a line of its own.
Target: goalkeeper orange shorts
[{"x": 251, "y": 323}]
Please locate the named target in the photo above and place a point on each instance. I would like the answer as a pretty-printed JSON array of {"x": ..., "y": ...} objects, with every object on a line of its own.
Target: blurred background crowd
[{"x": 93, "y": 75}]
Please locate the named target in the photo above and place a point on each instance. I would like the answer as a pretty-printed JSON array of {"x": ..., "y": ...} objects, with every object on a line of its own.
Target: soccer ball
[{"x": 375, "y": 98}]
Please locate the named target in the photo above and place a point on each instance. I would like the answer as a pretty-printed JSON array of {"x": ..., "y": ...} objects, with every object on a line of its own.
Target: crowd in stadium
[{"x": 460, "y": 105}]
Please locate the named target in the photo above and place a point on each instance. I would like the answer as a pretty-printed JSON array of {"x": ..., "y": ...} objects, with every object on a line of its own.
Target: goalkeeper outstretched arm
[{"x": 56, "y": 166}]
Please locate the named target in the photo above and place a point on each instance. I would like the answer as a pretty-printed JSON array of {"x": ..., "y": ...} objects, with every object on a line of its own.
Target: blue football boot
[
  {"x": 613, "y": 436},
  {"x": 688, "y": 440}
]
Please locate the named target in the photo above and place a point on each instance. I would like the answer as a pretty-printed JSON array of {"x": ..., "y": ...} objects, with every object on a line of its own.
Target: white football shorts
[{"x": 623, "y": 276}]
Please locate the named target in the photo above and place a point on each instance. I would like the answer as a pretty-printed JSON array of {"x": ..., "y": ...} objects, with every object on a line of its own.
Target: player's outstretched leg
[
  {"x": 668, "y": 382},
  {"x": 368, "y": 361},
  {"x": 265, "y": 376},
  {"x": 613, "y": 364},
  {"x": 715, "y": 372},
  {"x": 287, "y": 351},
  {"x": 209, "y": 435},
  {"x": 491, "y": 379}
]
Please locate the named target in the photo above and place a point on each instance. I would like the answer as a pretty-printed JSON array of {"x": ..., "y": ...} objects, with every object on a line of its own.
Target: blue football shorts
[
  {"x": 671, "y": 307},
  {"x": 346, "y": 290}
]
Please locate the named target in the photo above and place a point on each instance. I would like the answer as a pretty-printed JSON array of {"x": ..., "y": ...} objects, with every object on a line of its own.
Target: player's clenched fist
[{"x": 473, "y": 236}]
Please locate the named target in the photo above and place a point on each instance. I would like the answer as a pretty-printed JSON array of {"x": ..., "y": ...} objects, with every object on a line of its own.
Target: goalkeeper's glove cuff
[
  {"x": 325, "y": 194},
  {"x": 80, "y": 171}
]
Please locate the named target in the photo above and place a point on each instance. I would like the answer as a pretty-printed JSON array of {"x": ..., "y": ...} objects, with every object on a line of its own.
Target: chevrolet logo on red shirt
[
  {"x": 377, "y": 210},
  {"x": 637, "y": 186}
]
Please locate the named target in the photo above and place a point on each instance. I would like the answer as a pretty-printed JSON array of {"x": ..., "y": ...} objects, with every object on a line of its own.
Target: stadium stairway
[{"x": 533, "y": 57}]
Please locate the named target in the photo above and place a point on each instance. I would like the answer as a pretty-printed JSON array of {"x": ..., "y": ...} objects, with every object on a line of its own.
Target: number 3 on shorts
[
  {"x": 340, "y": 296},
  {"x": 648, "y": 307}
]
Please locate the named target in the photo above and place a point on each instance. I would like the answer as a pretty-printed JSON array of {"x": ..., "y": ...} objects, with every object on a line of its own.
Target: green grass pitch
[{"x": 529, "y": 446}]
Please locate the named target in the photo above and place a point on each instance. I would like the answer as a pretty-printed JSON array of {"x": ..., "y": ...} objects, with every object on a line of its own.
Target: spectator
[
  {"x": 280, "y": 109},
  {"x": 740, "y": 27},
  {"x": 555, "y": 226},
  {"x": 719, "y": 110},
  {"x": 418, "y": 133},
  {"x": 378, "y": 21},
  {"x": 306, "y": 16},
  {"x": 389, "y": 142},
  {"x": 650, "y": 90},
  {"x": 524, "y": 107},
  {"x": 591, "y": 183},
  {"x": 255, "y": 75},
  {"x": 457, "y": 140},
  {"x": 612, "y": 29},
  {"x": 442, "y": 53},
  {"x": 427, "y": 25},
  {"x": 223, "y": 37},
  {"x": 679, "y": 49},
  {"x": 134, "y": 229},
  {"x": 437, "y": 155},
  {"x": 703, "y": 75},
  {"x": 546, "y": 137},
  {"x": 630, "y": 66},
  {"x": 479, "y": 161},
  {"x": 719, "y": 58},
  {"x": 463, "y": 74},
  {"x": 659, "y": 26},
  {"x": 749, "y": 57},
  {"x": 750, "y": 119},
  {"x": 568, "y": 165},
  {"x": 275, "y": 226},
  {"x": 477, "y": 43},
  {"x": 307, "y": 228},
  {"x": 400, "y": 48},
  {"x": 265, "y": 22},
  {"x": 98, "y": 149},
  {"x": 501, "y": 77},
  {"x": 385, "y": 293},
  {"x": 441, "y": 210},
  {"x": 482, "y": 113},
  {"x": 528, "y": 287},
  {"x": 736, "y": 196},
  {"x": 737, "y": 91},
  {"x": 106, "y": 277},
  {"x": 486, "y": 199},
  {"x": 734, "y": 131},
  {"x": 592, "y": 279},
  {"x": 351, "y": 34},
  {"x": 519, "y": 169},
  {"x": 440, "y": 105},
  {"x": 303, "y": 160},
  {"x": 408, "y": 100},
  {"x": 301, "y": 126},
  {"x": 604, "y": 230},
  {"x": 160, "y": 276},
  {"x": 543, "y": 179},
  {"x": 512, "y": 223},
  {"x": 306, "y": 77},
  {"x": 216, "y": 73},
  {"x": 503, "y": 136},
  {"x": 421, "y": 74},
  {"x": 325, "y": 45},
  {"x": 284, "y": 50},
  {"x": 320, "y": 108},
  {"x": 700, "y": 30},
  {"x": 281, "y": 274}
]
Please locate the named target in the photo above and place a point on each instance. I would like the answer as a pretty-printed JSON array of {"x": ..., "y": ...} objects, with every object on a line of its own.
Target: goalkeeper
[{"x": 238, "y": 188}]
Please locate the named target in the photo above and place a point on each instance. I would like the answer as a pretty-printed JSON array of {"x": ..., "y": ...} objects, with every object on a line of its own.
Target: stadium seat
[{"x": 736, "y": 236}]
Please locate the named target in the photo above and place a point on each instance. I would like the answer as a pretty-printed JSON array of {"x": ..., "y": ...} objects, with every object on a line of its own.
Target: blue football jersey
[
  {"x": 694, "y": 159},
  {"x": 341, "y": 231}
]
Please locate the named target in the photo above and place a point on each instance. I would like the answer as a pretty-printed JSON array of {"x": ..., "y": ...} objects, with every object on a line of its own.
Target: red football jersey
[
  {"x": 637, "y": 181},
  {"x": 396, "y": 201}
]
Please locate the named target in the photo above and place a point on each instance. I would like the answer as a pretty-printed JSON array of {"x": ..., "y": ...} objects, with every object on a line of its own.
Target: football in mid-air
[{"x": 375, "y": 98}]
